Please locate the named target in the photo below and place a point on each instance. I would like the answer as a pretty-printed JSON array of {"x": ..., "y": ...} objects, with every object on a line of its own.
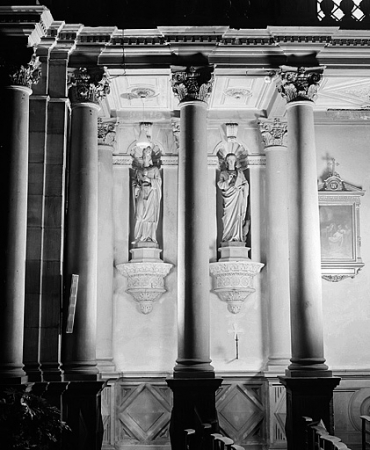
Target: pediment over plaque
[{"x": 339, "y": 205}]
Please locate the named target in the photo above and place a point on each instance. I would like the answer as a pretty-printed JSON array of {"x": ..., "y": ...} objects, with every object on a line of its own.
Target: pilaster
[{"x": 274, "y": 137}]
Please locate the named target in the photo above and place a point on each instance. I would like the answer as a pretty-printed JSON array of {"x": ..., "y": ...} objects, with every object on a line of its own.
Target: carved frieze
[
  {"x": 298, "y": 83},
  {"x": 11, "y": 74},
  {"x": 192, "y": 83},
  {"x": 274, "y": 133},
  {"x": 88, "y": 85},
  {"x": 233, "y": 281}
]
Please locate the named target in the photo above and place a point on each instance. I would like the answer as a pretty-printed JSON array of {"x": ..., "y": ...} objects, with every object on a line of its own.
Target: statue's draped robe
[
  {"x": 235, "y": 201},
  {"x": 148, "y": 200}
]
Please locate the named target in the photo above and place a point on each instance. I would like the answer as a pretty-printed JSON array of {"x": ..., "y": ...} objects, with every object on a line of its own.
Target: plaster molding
[
  {"x": 145, "y": 281},
  {"x": 233, "y": 281}
]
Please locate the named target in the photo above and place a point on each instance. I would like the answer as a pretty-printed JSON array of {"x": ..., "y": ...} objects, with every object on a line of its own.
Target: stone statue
[
  {"x": 235, "y": 190},
  {"x": 147, "y": 190}
]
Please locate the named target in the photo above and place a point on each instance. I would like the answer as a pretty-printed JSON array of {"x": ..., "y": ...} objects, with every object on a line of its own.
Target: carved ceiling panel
[{"x": 340, "y": 92}]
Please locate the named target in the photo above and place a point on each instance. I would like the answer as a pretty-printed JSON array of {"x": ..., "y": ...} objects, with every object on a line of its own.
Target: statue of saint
[
  {"x": 147, "y": 192},
  {"x": 235, "y": 190}
]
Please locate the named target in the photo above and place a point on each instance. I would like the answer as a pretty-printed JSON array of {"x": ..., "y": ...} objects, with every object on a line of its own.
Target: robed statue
[
  {"x": 235, "y": 190},
  {"x": 147, "y": 191}
]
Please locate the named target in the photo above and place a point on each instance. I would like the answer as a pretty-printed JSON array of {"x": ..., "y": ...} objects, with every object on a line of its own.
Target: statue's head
[
  {"x": 147, "y": 154},
  {"x": 230, "y": 161}
]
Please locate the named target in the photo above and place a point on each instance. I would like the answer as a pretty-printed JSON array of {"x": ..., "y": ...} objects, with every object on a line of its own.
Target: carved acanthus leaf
[
  {"x": 88, "y": 85},
  {"x": 192, "y": 83},
  {"x": 273, "y": 133},
  {"x": 11, "y": 74},
  {"x": 298, "y": 83}
]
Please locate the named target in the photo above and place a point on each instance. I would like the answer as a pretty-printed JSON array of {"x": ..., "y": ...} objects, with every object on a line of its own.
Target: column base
[
  {"x": 186, "y": 368},
  {"x": 312, "y": 397},
  {"x": 12, "y": 374},
  {"x": 194, "y": 403},
  {"x": 80, "y": 372}
]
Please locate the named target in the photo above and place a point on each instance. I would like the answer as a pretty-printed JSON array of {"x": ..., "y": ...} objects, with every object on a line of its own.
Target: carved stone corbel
[
  {"x": 233, "y": 281},
  {"x": 145, "y": 281}
]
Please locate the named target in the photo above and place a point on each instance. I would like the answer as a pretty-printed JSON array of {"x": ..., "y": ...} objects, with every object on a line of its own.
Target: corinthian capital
[
  {"x": 273, "y": 132},
  {"x": 12, "y": 74},
  {"x": 192, "y": 83},
  {"x": 298, "y": 83},
  {"x": 88, "y": 85}
]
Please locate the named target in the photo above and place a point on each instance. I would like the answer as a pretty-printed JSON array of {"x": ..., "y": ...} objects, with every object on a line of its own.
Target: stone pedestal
[
  {"x": 81, "y": 410},
  {"x": 13, "y": 196},
  {"x": 145, "y": 276},
  {"x": 312, "y": 397},
  {"x": 193, "y": 404},
  {"x": 233, "y": 276}
]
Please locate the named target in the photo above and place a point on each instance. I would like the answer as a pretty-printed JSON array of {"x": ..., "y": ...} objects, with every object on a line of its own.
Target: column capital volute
[
  {"x": 192, "y": 83},
  {"x": 274, "y": 132},
  {"x": 88, "y": 85},
  {"x": 13, "y": 74},
  {"x": 107, "y": 131},
  {"x": 298, "y": 83}
]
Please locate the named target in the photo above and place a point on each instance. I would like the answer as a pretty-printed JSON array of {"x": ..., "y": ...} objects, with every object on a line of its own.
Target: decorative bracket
[
  {"x": 233, "y": 281},
  {"x": 145, "y": 281}
]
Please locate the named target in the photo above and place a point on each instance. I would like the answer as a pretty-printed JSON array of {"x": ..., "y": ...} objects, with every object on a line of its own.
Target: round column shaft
[
  {"x": 193, "y": 271},
  {"x": 278, "y": 256},
  {"x": 79, "y": 347},
  {"x": 13, "y": 194},
  {"x": 304, "y": 243}
]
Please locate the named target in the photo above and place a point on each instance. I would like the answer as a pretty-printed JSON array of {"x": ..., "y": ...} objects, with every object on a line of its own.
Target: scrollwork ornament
[
  {"x": 298, "y": 83},
  {"x": 88, "y": 86},
  {"x": 12, "y": 74},
  {"x": 192, "y": 84}
]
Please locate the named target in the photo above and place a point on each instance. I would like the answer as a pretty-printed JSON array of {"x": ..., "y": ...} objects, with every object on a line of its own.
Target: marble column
[
  {"x": 106, "y": 139},
  {"x": 309, "y": 384},
  {"x": 79, "y": 346},
  {"x": 299, "y": 87},
  {"x": 14, "y": 94},
  {"x": 193, "y": 272},
  {"x": 194, "y": 383},
  {"x": 274, "y": 134}
]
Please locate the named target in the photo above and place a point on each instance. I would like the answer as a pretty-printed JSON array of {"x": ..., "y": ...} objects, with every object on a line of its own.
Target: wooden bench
[
  {"x": 365, "y": 432},
  {"x": 318, "y": 438}
]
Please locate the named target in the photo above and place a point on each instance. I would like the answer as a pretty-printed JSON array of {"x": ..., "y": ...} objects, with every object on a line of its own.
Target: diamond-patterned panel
[
  {"x": 241, "y": 413},
  {"x": 143, "y": 414}
]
